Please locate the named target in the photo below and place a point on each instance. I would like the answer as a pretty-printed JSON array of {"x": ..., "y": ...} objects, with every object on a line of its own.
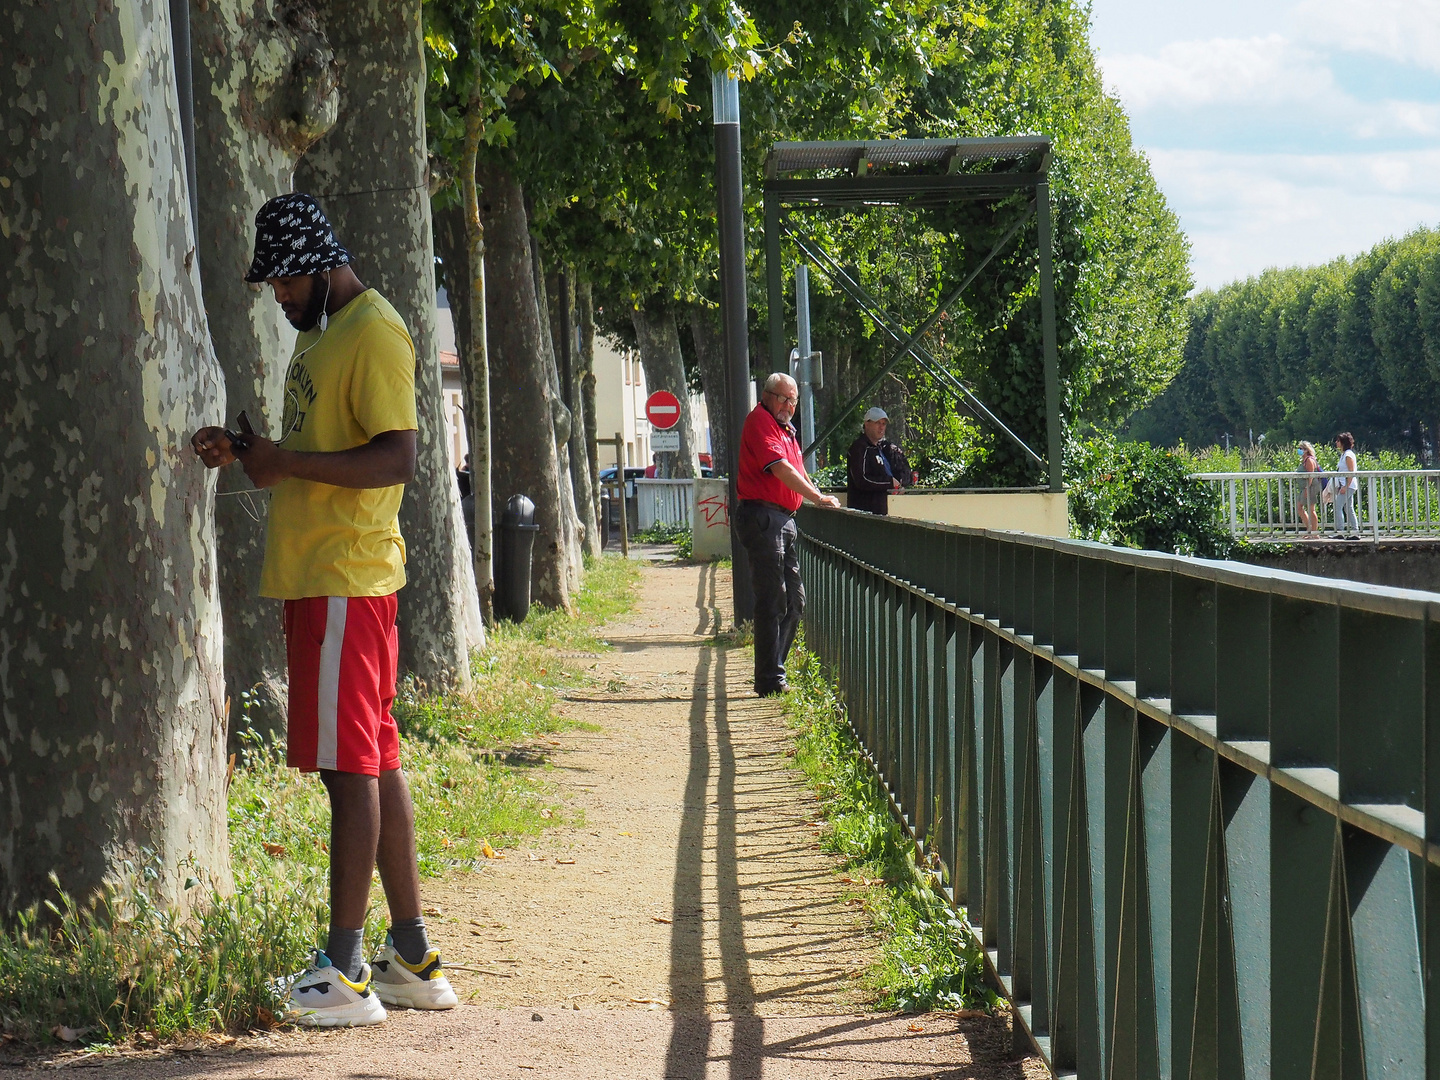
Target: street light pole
[{"x": 725, "y": 98}]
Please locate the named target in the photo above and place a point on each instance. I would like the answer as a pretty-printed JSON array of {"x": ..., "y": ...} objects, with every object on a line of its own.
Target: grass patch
[
  {"x": 118, "y": 968},
  {"x": 927, "y": 960},
  {"x": 682, "y": 536}
]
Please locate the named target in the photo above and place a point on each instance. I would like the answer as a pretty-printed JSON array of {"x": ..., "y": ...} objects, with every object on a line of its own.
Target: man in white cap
[{"x": 875, "y": 467}]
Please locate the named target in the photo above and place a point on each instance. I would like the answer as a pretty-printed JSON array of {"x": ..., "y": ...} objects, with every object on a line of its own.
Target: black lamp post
[{"x": 725, "y": 96}]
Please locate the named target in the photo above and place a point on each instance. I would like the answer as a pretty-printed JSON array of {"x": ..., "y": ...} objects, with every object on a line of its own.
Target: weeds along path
[{"x": 683, "y": 924}]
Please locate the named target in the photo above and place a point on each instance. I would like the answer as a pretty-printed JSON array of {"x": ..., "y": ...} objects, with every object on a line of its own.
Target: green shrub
[{"x": 1137, "y": 495}]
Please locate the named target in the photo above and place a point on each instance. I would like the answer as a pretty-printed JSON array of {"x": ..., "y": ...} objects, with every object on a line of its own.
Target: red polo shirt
[{"x": 763, "y": 443}]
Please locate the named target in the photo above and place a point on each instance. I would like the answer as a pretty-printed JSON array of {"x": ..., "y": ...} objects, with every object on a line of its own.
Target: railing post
[{"x": 1374, "y": 507}]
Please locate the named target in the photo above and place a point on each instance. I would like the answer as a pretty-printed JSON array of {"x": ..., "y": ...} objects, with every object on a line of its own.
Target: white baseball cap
[{"x": 876, "y": 413}]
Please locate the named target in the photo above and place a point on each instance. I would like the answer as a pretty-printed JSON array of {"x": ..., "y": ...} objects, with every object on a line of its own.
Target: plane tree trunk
[
  {"x": 370, "y": 175},
  {"x": 585, "y": 318},
  {"x": 112, "y": 725},
  {"x": 464, "y": 275},
  {"x": 710, "y": 351},
  {"x": 660, "y": 356},
  {"x": 563, "y": 420},
  {"x": 265, "y": 89},
  {"x": 564, "y": 320},
  {"x": 525, "y": 461}
]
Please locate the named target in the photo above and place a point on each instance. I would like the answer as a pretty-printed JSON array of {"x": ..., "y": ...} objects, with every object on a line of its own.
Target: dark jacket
[{"x": 871, "y": 470}]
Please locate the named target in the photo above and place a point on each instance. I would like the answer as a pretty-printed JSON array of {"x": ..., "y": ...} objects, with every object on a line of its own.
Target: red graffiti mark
[{"x": 716, "y": 506}]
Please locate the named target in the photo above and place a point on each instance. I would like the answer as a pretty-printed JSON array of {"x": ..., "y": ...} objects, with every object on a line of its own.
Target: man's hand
[
  {"x": 212, "y": 446},
  {"x": 828, "y": 500},
  {"x": 264, "y": 462}
]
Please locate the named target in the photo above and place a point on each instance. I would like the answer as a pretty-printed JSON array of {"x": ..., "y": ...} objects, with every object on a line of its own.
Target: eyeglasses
[{"x": 783, "y": 397}]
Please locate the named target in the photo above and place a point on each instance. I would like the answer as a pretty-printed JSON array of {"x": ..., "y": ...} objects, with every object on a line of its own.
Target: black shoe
[{"x": 772, "y": 691}]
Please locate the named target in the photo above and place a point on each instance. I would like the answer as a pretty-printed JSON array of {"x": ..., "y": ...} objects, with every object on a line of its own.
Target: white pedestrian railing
[
  {"x": 663, "y": 502},
  {"x": 1267, "y": 505}
]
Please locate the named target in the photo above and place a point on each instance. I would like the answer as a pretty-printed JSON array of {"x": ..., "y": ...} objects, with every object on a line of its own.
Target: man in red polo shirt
[{"x": 771, "y": 486}]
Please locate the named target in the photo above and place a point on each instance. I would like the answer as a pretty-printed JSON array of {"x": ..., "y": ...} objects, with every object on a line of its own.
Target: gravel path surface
[{"x": 685, "y": 925}]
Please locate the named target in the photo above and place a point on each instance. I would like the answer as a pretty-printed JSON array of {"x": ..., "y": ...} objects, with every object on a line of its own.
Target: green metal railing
[{"x": 1192, "y": 808}]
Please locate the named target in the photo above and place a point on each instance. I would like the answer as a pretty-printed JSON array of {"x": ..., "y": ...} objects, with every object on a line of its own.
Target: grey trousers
[{"x": 770, "y": 539}]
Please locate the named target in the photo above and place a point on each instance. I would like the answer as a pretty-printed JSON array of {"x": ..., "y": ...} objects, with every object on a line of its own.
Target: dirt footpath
[{"x": 685, "y": 924}]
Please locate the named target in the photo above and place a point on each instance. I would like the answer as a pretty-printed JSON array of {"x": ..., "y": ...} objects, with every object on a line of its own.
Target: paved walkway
[{"x": 683, "y": 924}]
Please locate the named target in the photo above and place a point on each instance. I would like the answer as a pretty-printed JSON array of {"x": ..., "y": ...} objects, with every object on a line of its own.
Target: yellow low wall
[{"x": 1043, "y": 513}]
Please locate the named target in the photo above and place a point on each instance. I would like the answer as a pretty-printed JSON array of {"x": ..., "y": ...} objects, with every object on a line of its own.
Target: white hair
[{"x": 778, "y": 379}]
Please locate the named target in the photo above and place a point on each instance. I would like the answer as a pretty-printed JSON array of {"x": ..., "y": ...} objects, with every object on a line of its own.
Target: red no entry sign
[{"x": 662, "y": 409}]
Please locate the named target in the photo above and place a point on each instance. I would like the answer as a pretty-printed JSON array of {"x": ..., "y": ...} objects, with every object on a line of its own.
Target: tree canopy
[{"x": 1306, "y": 352}]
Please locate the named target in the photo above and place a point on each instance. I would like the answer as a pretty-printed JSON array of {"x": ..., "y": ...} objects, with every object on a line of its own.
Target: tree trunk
[
  {"x": 710, "y": 350},
  {"x": 520, "y": 388},
  {"x": 369, "y": 173},
  {"x": 112, "y": 723},
  {"x": 571, "y": 380},
  {"x": 665, "y": 370},
  {"x": 585, "y": 317},
  {"x": 265, "y": 89},
  {"x": 564, "y": 424},
  {"x": 452, "y": 245}
]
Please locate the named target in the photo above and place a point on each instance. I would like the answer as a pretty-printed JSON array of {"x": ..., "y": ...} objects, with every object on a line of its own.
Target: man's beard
[{"x": 310, "y": 317}]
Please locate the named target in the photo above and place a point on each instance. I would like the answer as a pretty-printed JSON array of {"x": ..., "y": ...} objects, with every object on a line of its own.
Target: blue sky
[{"x": 1283, "y": 132}]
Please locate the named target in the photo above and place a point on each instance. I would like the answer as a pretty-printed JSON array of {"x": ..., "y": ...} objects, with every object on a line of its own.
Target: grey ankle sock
[
  {"x": 343, "y": 949},
  {"x": 408, "y": 937}
]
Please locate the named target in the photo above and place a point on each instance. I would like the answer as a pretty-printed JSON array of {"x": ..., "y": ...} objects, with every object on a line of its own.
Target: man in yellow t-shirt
[{"x": 334, "y": 554}]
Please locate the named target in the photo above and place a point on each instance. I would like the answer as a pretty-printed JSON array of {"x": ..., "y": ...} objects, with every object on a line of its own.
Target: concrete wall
[
  {"x": 1039, "y": 512},
  {"x": 1402, "y": 564},
  {"x": 710, "y": 519}
]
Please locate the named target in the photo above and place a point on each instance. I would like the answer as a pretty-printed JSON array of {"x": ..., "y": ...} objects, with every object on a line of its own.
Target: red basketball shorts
[{"x": 342, "y": 652}]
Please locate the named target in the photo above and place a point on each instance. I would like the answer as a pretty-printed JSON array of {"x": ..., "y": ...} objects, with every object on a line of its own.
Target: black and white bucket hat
[{"x": 293, "y": 237}]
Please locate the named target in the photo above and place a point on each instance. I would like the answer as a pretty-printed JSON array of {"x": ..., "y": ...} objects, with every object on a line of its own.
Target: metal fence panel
[
  {"x": 663, "y": 502},
  {"x": 1191, "y": 809},
  {"x": 1393, "y": 503}
]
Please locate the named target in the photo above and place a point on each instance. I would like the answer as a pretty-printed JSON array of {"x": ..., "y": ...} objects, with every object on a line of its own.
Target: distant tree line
[{"x": 1303, "y": 353}]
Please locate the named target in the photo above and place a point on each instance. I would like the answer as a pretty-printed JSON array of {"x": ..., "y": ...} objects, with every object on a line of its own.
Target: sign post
[{"x": 662, "y": 409}]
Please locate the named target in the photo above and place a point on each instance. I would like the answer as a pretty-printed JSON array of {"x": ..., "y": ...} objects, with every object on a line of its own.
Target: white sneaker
[
  {"x": 411, "y": 986},
  {"x": 321, "y": 996}
]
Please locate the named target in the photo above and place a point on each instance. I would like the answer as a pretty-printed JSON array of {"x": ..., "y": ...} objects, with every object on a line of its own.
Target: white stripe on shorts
[{"x": 329, "y": 699}]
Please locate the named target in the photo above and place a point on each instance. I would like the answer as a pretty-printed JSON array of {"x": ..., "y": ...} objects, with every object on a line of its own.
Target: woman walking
[
  {"x": 1309, "y": 491},
  {"x": 1347, "y": 486}
]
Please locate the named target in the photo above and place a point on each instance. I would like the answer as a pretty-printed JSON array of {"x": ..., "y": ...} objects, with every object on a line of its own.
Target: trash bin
[{"x": 517, "y": 544}]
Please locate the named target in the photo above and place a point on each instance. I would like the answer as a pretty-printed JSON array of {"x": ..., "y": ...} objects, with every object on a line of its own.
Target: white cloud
[
  {"x": 1262, "y": 71},
  {"x": 1407, "y": 31},
  {"x": 1247, "y": 212}
]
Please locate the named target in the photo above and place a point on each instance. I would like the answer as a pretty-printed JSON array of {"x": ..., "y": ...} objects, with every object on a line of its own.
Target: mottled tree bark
[
  {"x": 563, "y": 303},
  {"x": 112, "y": 725},
  {"x": 710, "y": 351},
  {"x": 525, "y": 461},
  {"x": 563, "y": 421},
  {"x": 659, "y": 341},
  {"x": 265, "y": 89},
  {"x": 369, "y": 173},
  {"x": 585, "y": 318},
  {"x": 452, "y": 245}
]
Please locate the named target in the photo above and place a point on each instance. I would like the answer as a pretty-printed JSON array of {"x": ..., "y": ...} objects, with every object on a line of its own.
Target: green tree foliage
[
  {"x": 1132, "y": 494},
  {"x": 609, "y": 132},
  {"x": 1121, "y": 261},
  {"x": 1306, "y": 352}
]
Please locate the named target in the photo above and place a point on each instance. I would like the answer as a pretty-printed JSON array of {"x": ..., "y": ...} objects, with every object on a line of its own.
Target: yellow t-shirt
[{"x": 345, "y": 385}]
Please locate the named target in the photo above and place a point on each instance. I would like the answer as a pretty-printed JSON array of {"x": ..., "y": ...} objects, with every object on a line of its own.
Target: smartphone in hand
[{"x": 238, "y": 438}]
